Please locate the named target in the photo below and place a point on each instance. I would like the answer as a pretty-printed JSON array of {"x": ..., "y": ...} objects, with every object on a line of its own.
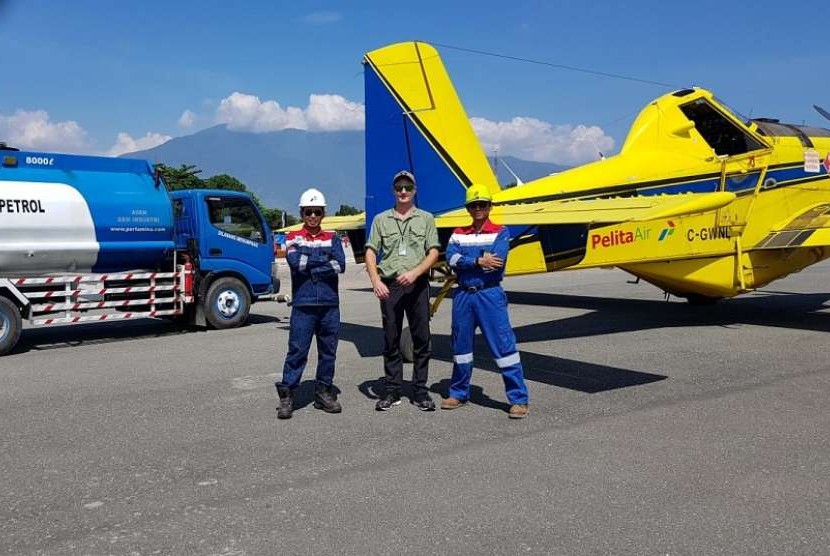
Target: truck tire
[
  {"x": 11, "y": 324},
  {"x": 227, "y": 303}
]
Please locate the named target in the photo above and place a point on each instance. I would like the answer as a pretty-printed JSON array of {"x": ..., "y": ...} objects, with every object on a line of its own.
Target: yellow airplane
[{"x": 699, "y": 201}]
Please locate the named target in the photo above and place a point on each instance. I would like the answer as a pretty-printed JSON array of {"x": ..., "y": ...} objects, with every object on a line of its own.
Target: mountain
[
  {"x": 526, "y": 169},
  {"x": 279, "y": 165}
]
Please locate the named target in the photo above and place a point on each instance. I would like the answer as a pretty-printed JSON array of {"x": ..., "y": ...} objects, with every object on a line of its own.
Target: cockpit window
[
  {"x": 732, "y": 111},
  {"x": 718, "y": 131}
]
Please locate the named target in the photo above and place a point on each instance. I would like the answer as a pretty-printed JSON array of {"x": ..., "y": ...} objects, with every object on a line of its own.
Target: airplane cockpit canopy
[
  {"x": 774, "y": 128},
  {"x": 722, "y": 134}
]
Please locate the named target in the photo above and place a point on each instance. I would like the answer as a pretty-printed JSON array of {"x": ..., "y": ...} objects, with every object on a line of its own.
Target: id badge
[{"x": 402, "y": 249}]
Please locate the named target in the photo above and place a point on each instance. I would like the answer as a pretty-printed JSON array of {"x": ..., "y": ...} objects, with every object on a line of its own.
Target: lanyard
[{"x": 402, "y": 230}]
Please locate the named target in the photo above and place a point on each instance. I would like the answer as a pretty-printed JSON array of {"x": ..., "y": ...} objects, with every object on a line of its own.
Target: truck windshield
[{"x": 236, "y": 216}]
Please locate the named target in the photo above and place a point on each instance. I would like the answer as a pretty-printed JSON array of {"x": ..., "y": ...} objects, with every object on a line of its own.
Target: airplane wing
[
  {"x": 336, "y": 223},
  {"x": 595, "y": 211},
  {"x": 810, "y": 229}
]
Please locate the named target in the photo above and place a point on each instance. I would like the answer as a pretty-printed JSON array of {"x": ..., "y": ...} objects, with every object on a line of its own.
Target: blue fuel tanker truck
[{"x": 94, "y": 239}]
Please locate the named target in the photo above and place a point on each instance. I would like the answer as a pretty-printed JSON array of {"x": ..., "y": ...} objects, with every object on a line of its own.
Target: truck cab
[{"x": 230, "y": 243}]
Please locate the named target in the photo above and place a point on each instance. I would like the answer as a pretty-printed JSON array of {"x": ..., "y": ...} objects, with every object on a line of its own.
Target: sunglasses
[
  {"x": 476, "y": 205},
  {"x": 312, "y": 212},
  {"x": 403, "y": 187}
]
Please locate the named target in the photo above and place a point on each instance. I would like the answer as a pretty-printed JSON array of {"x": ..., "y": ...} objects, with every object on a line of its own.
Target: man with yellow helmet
[{"x": 478, "y": 253}]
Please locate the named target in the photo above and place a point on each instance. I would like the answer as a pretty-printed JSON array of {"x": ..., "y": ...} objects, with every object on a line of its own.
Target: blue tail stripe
[{"x": 394, "y": 143}]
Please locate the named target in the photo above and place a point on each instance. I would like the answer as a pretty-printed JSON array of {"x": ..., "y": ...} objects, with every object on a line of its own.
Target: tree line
[{"x": 187, "y": 176}]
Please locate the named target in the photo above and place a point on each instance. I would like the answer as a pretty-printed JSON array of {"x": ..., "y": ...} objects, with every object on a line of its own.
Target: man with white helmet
[
  {"x": 478, "y": 253},
  {"x": 315, "y": 257}
]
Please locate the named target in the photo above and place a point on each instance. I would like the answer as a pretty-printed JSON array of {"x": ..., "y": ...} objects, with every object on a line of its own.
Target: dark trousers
[
  {"x": 306, "y": 322},
  {"x": 413, "y": 301}
]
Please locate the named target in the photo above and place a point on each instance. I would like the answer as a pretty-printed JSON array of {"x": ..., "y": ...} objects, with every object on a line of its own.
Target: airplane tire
[
  {"x": 698, "y": 300},
  {"x": 11, "y": 323},
  {"x": 227, "y": 303}
]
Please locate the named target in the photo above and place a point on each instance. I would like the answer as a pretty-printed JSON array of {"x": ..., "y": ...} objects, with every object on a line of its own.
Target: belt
[
  {"x": 474, "y": 289},
  {"x": 393, "y": 282}
]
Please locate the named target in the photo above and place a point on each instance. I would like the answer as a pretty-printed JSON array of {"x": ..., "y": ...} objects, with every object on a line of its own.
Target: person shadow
[{"x": 373, "y": 389}]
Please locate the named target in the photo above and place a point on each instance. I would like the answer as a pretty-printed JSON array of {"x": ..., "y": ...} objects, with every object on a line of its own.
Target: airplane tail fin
[{"x": 415, "y": 121}]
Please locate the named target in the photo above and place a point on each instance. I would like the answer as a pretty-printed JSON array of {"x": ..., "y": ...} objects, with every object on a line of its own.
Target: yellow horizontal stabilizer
[
  {"x": 596, "y": 211},
  {"x": 811, "y": 228},
  {"x": 336, "y": 223}
]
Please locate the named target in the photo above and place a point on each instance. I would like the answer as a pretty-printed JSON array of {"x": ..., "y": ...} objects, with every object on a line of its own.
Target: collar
[
  {"x": 393, "y": 214},
  {"x": 487, "y": 228},
  {"x": 305, "y": 231}
]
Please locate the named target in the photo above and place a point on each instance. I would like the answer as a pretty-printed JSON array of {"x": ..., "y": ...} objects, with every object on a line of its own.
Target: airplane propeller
[{"x": 822, "y": 111}]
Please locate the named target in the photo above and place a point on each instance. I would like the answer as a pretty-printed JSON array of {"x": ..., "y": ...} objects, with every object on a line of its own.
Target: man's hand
[
  {"x": 381, "y": 291},
  {"x": 490, "y": 261},
  {"x": 407, "y": 278}
]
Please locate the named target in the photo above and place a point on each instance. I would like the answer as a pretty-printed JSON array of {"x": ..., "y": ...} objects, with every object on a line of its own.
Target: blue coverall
[
  {"x": 315, "y": 262},
  {"x": 481, "y": 302}
]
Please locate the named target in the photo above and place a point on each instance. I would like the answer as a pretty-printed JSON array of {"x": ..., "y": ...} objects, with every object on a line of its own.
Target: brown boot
[
  {"x": 452, "y": 403},
  {"x": 518, "y": 411}
]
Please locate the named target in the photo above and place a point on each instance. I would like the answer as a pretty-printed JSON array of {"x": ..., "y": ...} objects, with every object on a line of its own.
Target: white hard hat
[{"x": 312, "y": 198}]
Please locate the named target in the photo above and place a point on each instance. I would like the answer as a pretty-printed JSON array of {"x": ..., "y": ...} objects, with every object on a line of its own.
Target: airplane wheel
[{"x": 699, "y": 300}]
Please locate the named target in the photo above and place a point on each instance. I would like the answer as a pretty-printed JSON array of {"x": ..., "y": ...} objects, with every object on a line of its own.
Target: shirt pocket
[
  {"x": 391, "y": 242},
  {"x": 418, "y": 233}
]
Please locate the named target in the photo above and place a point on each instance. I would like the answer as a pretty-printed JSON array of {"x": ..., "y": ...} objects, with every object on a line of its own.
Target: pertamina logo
[{"x": 667, "y": 231}]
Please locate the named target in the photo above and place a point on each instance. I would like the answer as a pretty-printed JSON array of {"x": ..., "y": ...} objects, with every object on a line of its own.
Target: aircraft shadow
[
  {"x": 555, "y": 371},
  {"x": 608, "y": 316}
]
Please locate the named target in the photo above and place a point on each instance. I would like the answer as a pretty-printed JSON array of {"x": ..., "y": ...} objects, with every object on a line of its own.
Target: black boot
[
  {"x": 326, "y": 399},
  {"x": 286, "y": 407}
]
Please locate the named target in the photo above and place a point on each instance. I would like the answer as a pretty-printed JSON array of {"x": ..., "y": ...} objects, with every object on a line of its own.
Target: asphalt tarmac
[{"x": 655, "y": 428}]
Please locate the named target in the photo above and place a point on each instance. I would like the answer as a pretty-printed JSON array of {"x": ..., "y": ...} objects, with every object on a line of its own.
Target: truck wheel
[
  {"x": 10, "y": 325},
  {"x": 227, "y": 303}
]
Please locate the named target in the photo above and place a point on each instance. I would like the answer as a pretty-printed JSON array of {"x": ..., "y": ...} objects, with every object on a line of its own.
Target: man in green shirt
[{"x": 405, "y": 242}]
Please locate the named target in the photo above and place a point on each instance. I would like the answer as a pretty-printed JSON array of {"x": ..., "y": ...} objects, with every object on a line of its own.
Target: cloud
[
  {"x": 533, "y": 139},
  {"x": 34, "y": 130},
  {"x": 187, "y": 119},
  {"x": 243, "y": 112},
  {"x": 321, "y": 18},
  {"x": 126, "y": 144},
  {"x": 333, "y": 112}
]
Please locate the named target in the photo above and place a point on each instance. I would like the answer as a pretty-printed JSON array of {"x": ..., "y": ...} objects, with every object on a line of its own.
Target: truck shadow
[{"x": 69, "y": 336}]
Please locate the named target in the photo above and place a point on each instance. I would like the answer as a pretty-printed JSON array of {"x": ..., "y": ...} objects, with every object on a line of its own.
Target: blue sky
[{"x": 77, "y": 74}]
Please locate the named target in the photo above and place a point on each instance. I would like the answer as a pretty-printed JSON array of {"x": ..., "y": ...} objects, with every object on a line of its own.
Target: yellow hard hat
[{"x": 477, "y": 192}]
